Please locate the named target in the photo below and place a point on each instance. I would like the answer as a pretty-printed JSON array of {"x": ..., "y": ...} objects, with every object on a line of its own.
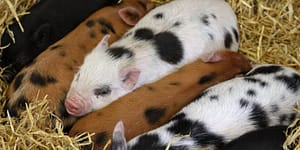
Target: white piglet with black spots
[
  {"x": 168, "y": 37},
  {"x": 265, "y": 96}
]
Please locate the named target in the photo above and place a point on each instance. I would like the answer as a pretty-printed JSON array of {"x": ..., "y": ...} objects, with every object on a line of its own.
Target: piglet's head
[{"x": 100, "y": 80}]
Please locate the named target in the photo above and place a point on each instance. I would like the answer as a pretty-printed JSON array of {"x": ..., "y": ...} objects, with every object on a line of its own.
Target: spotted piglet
[
  {"x": 265, "y": 96},
  {"x": 52, "y": 71},
  {"x": 167, "y": 38}
]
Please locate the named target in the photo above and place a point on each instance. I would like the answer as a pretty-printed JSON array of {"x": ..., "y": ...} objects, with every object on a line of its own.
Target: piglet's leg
[{"x": 224, "y": 55}]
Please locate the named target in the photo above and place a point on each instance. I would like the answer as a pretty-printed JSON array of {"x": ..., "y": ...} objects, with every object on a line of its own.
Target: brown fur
[
  {"x": 61, "y": 60},
  {"x": 167, "y": 96}
]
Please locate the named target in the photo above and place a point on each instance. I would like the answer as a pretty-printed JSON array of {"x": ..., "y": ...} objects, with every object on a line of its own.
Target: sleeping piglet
[
  {"x": 48, "y": 21},
  {"x": 266, "y": 96},
  {"x": 167, "y": 38},
  {"x": 154, "y": 104},
  {"x": 52, "y": 71}
]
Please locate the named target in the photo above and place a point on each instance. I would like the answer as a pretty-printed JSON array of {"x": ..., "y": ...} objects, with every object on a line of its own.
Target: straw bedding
[{"x": 270, "y": 33}]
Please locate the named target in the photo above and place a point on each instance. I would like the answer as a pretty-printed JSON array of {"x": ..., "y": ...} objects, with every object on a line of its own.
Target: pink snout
[{"x": 77, "y": 107}]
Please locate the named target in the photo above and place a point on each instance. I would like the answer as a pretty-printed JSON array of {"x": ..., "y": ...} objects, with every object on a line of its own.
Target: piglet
[
  {"x": 266, "y": 96},
  {"x": 154, "y": 104},
  {"x": 167, "y": 38},
  {"x": 271, "y": 138},
  {"x": 52, "y": 71},
  {"x": 48, "y": 21}
]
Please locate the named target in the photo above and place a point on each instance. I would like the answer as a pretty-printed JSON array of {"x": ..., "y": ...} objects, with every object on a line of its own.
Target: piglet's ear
[
  {"x": 130, "y": 15},
  {"x": 118, "y": 139},
  {"x": 103, "y": 44},
  {"x": 129, "y": 77}
]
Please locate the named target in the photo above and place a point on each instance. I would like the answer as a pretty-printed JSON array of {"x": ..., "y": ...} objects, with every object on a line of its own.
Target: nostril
[{"x": 73, "y": 107}]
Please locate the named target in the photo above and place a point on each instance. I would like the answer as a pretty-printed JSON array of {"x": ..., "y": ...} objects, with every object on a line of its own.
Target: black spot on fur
[
  {"x": 90, "y": 23},
  {"x": 177, "y": 23},
  {"x": 62, "y": 53},
  {"x": 227, "y": 40},
  {"x": 106, "y": 25},
  {"x": 274, "y": 108},
  {"x": 104, "y": 31},
  {"x": 174, "y": 83},
  {"x": 159, "y": 16},
  {"x": 236, "y": 35},
  {"x": 204, "y": 19},
  {"x": 154, "y": 114},
  {"x": 143, "y": 34},
  {"x": 259, "y": 116},
  {"x": 214, "y": 16},
  {"x": 178, "y": 116},
  {"x": 148, "y": 142},
  {"x": 150, "y": 88},
  {"x": 204, "y": 137},
  {"x": 214, "y": 98},
  {"x": 244, "y": 103},
  {"x": 55, "y": 47},
  {"x": 127, "y": 34},
  {"x": 37, "y": 79},
  {"x": 21, "y": 102},
  {"x": 211, "y": 36},
  {"x": 207, "y": 78},
  {"x": 293, "y": 82},
  {"x": 265, "y": 70},
  {"x": 92, "y": 34},
  {"x": 254, "y": 80},
  {"x": 100, "y": 138},
  {"x": 202, "y": 94},
  {"x": 118, "y": 52},
  {"x": 197, "y": 131},
  {"x": 181, "y": 127},
  {"x": 251, "y": 92},
  {"x": 18, "y": 81},
  {"x": 169, "y": 47}
]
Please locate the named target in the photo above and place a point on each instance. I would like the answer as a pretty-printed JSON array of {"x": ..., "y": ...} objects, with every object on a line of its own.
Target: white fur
[{"x": 99, "y": 68}]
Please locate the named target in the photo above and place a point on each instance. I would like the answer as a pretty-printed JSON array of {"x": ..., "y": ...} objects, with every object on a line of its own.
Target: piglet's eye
[{"x": 104, "y": 90}]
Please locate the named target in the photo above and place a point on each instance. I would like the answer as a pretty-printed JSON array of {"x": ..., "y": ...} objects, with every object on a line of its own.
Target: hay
[
  {"x": 293, "y": 135},
  {"x": 11, "y": 10},
  {"x": 270, "y": 30},
  {"x": 38, "y": 128},
  {"x": 269, "y": 33}
]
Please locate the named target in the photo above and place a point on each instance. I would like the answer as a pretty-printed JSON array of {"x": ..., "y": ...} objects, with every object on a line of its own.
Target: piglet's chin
[{"x": 77, "y": 107}]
